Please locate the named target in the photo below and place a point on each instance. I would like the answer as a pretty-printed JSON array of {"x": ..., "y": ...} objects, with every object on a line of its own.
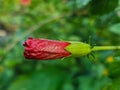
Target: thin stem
[{"x": 97, "y": 48}]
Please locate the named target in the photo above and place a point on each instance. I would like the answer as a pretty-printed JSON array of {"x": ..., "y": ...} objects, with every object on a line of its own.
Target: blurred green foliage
[{"x": 73, "y": 20}]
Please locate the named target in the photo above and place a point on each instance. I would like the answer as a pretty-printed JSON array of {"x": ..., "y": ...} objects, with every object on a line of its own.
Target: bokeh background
[{"x": 75, "y": 20}]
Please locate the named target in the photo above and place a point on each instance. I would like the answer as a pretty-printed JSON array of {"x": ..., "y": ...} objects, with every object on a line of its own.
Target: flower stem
[{"x": 97, "y": 48}]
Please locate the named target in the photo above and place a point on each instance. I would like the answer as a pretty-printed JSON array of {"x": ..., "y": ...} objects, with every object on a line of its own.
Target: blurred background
[{"x": 74, "y": 20}]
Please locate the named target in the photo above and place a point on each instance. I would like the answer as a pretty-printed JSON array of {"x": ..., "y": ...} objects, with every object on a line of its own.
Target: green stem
[{"x": 97, "y": 48}]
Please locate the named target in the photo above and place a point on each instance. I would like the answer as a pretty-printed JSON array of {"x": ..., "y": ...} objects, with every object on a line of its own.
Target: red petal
[{"x": 43, "y": 49}]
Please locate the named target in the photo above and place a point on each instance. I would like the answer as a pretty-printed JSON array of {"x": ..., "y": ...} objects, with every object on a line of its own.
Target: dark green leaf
[{"x": 100, "y": 7}]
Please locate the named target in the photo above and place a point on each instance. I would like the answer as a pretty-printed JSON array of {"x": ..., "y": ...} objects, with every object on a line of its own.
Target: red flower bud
[{"x": 43, "y": 49}]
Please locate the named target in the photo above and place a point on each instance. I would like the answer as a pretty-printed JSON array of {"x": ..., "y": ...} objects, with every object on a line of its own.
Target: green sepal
[{"x": 78, "y": 49}]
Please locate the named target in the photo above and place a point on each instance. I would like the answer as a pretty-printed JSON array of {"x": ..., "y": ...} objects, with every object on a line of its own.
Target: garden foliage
[{"x": 69, "y": 20}]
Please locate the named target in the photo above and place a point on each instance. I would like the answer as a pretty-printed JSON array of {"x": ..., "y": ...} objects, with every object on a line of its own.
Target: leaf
[
  {"x": 89, "y": 83},
  {"x": 114, "y": 69},
  {"x": 100, "y": 7},
  {"x": 81, "y": 3},
  {"x": 44, "y": 80},
  {"x": 77, "y": 4},
  {"x": 115, "y": 85},
  {"x": 115, "y": 28}
]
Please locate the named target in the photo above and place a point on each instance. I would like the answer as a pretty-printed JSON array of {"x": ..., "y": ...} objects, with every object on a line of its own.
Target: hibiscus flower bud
[{"x": 44, "y": 49}]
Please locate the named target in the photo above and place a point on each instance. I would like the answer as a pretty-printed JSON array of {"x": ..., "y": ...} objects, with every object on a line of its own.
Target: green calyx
[{"x": 78, "y": 49}]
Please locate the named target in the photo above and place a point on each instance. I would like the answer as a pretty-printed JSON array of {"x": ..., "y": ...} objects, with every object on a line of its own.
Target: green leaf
[
  {"x": 115, "y": 85},
  {"x": 44, "y": 80},
  {"x": 81, "y": 3},
  {"x": 114, "y": 69},
  {"x": 100, "y": 7},
  {"x": 115, "y": 28},
  {"x": 89, "y": 83}
]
